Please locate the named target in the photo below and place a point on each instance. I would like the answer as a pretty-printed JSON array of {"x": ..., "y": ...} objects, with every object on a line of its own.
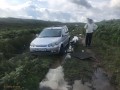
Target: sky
[{"x": 61, "y": 10}]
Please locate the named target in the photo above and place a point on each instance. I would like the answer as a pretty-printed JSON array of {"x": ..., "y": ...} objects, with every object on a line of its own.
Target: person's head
[{"x": 89, "y": 20}]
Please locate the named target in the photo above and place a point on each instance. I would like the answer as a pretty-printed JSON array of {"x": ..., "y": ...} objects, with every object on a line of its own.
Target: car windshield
[{"x": 50, "y": 33}]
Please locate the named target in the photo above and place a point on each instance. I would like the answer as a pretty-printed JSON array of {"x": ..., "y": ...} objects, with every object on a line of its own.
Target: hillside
[
  {"x": 12, "y": 23},
  {"x": 107, "y": 42},
  {"x": 15, "y": 59},
  {"x": 18, "y": 68},
  {"x": 16, "y": 63}
]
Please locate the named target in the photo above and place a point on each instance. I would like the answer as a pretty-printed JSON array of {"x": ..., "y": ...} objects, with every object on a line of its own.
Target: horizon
[
  {"x": 61, "y": 11},
  {"x": 50, "y": 21}
]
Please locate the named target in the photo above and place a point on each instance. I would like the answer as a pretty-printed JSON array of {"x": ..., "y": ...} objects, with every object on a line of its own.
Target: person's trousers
[{"x": 88, "y": 39}]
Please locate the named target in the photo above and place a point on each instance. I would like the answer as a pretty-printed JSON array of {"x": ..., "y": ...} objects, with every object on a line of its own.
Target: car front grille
[{"x": 41, "y": 45}]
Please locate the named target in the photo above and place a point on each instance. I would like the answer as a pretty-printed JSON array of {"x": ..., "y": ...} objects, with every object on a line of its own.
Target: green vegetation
[
  {"x": 74, "y": 68},
  {"x": 24, "y": 72},
  {"x": 76, "y": 29},
  {"x": 107, "y": 42},
  {"x": 16, "y": 23},
  {"x": 106, "y": 45},
  {"x": 18, "y": 69}
]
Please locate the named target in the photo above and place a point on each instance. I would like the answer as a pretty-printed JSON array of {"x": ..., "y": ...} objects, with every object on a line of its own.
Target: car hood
[{"x": 45, "y": 41}]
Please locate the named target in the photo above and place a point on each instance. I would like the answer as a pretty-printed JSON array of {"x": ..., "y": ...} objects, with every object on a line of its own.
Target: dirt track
[{"x": 55, "y": 77}]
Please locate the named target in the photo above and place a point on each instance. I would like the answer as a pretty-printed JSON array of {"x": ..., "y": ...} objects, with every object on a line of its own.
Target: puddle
[
  {"x": 78, "y": 85},
  {"x": 101, "y": 81},
  {"x": 54, "y": 80}
]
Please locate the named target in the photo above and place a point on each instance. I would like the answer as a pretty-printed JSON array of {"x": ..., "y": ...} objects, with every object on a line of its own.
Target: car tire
[
  {"x": 68, "y": 43},
  {"x": 62, "y": 50}
]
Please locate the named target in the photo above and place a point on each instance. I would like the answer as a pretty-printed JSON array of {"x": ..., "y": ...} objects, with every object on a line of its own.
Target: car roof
[{"x": 56, "y": 27}]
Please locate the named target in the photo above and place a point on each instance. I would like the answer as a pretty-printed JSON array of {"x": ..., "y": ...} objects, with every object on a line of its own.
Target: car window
[
  {"x": 66, "y": 30},
  {"x": 50, "y": 33}
]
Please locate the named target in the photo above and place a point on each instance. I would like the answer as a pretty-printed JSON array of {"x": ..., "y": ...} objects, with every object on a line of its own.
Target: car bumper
[{"x": 45, "y": 50}]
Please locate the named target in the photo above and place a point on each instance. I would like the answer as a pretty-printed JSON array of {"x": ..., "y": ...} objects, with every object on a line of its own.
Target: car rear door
[{"x": 65, "y": 36}]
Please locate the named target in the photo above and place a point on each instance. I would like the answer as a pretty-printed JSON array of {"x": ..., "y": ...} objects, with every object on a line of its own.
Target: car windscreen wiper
[{"x": 44, "y": 36}]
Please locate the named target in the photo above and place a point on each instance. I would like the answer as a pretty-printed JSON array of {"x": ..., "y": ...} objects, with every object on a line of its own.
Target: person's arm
[
  {"x": 86, "y": 26},
  {"x": 95, "y": 26}
]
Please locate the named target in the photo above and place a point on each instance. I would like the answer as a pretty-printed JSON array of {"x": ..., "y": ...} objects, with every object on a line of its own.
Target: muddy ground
[{"x": 78, "y": 70}]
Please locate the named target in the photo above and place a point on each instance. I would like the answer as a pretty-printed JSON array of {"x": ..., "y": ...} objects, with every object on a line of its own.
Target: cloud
[
  {"x": 115, "y": 4},
  {"x": 82, "y": 3},
  {"x": 61, "y": 10}
]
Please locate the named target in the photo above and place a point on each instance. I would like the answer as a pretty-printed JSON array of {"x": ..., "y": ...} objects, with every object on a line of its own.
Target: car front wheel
[{"x": 62, "y": 50}]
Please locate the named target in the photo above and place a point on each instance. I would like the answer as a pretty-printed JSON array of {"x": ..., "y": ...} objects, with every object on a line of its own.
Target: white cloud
[
  {"x": 115, "y": 3},
  {"x": 61, "y": 10},
  {"x": 84, "y": 3}
]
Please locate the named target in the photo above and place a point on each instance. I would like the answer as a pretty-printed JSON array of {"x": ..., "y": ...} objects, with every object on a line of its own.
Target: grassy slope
[
  {"x": 107, "y": 42},
  {"x": 14, "y": 64},
  {"x": 25, "y": 71},
  {"x": 17, "y": 67}
]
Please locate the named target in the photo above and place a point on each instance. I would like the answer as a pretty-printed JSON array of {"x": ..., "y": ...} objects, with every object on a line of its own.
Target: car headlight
[
  {"x": 53, "y": 44},
  {"x": 32, "y": 45}
]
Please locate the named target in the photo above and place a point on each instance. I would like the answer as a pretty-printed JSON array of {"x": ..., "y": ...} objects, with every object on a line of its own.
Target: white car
[{"x": 51, "y": 40}]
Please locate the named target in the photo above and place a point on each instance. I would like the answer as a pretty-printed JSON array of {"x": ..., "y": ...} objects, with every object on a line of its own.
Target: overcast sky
[{"x": 61, "y": 10}]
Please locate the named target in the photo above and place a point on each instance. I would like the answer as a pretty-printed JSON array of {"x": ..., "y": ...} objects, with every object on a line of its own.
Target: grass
[
  {"x": 76, "y": 69},
  {"x": 110, "y": 60},
  {"x": 17, "y": 66},
  {"x": 25, "y": 71},
  {"x": 22, "y": 69}
]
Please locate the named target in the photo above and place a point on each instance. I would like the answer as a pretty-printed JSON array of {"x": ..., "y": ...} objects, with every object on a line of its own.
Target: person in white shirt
[{"x": 90, "y": 27}]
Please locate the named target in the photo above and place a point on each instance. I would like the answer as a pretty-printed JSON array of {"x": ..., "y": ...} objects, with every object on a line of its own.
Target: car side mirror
[
  {"x": 64, "y": 35},
  {"x": 66, "y": 32},
  {"x": 37, "y": 35}
]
